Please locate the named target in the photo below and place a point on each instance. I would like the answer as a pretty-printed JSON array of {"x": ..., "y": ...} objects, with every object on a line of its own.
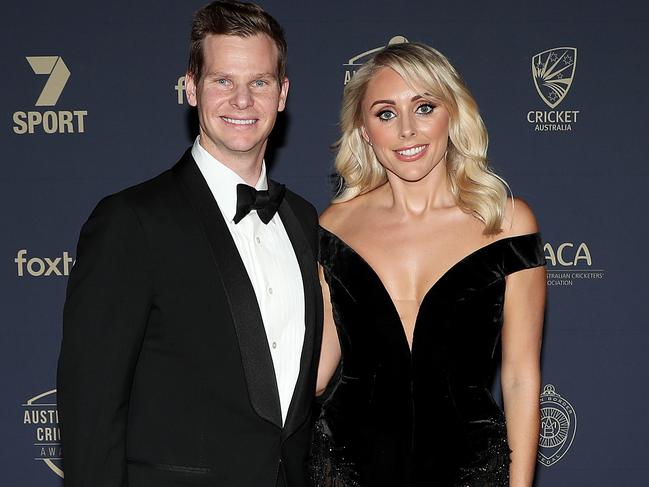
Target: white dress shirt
[{"x": 272, "y": 267}]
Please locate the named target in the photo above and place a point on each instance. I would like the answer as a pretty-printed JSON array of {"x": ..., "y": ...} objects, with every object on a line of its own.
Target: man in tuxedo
[{"x": 192, "y": 322}]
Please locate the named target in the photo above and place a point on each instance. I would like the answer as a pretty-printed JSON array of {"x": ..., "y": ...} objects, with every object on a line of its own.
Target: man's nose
[{"x": 242, "y": 98}]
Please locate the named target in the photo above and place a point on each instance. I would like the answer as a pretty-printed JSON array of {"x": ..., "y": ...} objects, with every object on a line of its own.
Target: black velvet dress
[{"x": 423, "y": 418}]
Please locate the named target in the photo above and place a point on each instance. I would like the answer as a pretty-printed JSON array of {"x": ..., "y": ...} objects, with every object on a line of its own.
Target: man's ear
[
  {"x": 283, "y": 94},
  {"x": 190, "y": 89}
]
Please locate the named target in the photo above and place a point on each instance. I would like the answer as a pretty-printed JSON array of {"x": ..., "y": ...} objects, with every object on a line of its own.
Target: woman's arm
[
  {"x": 521, "y": 373},
  {"x": 521, "y": 350},
  {"x": 330, "y": 352}
]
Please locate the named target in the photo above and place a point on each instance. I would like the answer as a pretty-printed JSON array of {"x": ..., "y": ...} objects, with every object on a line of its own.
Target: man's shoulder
[
  {"x": 160, "y": 191},
  {"x": 153, "y": 188},
  {"x": 300, "y": 204},
  {"x": 146, "y": 190},
  {"x": 297, "y": 199}
]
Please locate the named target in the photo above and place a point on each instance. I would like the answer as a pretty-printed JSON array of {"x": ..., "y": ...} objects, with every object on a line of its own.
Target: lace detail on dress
[
  {"x": 327, "y": 464},
  {"x": 494, "y": 472}
]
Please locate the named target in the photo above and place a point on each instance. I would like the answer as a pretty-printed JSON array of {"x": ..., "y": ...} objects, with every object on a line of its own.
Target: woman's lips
[{"x": 411, "y": 153}]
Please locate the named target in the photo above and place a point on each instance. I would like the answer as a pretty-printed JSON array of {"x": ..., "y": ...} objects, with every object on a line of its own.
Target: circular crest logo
[
  {"x": 41, "y": 416},
  {"x": 558, "y": 426}
]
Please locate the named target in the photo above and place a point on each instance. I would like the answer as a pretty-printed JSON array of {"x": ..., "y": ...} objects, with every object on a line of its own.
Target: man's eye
[
  {"x": 223, "y": 82},
  {"x": 386, "y": 115},
  {"x": 259, "y": 83}
]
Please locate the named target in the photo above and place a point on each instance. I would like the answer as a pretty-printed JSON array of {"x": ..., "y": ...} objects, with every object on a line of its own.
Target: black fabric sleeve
[
  {"x": 523, "y": 252},
  {"x": 108, "y": 299}
]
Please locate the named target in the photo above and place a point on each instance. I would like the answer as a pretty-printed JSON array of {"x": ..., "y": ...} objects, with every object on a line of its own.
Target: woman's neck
[{"x": 415, "y": 198}]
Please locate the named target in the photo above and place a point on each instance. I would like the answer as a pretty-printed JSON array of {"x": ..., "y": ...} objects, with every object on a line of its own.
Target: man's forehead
[
  {"x": 233, "y": 53},
  {"x": 260, "y": 47},
  {"x": 216, "y": 73},
  {"x": 259, "y": 40}
]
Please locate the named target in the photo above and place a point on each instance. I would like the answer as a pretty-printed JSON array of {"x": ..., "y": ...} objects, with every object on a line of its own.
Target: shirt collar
[{"x": 222, "y": 180}]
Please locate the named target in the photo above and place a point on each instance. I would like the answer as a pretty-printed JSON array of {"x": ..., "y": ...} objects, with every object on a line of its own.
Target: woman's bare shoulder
[
  {"x": 335, "y": 218},
  {"x": 519, "y": 218},
  {"x": 341, "y": 217}
]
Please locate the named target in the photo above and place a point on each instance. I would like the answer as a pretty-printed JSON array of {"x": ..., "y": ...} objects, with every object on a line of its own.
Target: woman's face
[{"x": 407, "y": 130}]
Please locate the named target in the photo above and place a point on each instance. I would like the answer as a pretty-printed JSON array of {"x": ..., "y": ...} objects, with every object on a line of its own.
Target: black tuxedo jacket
[{"x": 165, "y": 377}]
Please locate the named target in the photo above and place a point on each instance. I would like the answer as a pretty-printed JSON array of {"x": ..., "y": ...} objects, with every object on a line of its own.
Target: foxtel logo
[
  {"x": 180, "y": 90},
  {"x": 35, "y": 266}
]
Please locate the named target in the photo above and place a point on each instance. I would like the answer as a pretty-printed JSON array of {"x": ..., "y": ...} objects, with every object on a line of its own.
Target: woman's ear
[{"x": 366, "y": 137}]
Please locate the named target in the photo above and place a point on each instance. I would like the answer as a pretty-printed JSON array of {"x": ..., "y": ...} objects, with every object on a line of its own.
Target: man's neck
[{"x": 247, "y": 165}]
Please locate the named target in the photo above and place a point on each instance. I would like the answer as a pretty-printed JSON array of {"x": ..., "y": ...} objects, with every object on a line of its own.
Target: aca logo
[
  {"x": 49, "y": 121},
  {"x": 357, "y": 61},
  {"x": 558, "y": 426},
  {"x": 553, "y": 72},
  {"x": 570, "y": 262},
  {"x": 180, "y": 90},
  {"x": 46, "y": 266},
  {"x": 42, "y": 418}
]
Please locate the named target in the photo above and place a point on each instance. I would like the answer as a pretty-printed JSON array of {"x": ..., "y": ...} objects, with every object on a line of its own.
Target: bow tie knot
[{"x": 266, "y": 202}]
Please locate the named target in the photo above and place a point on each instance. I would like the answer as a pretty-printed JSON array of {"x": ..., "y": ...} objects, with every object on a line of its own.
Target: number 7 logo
[{"x": 59, "y": 74}]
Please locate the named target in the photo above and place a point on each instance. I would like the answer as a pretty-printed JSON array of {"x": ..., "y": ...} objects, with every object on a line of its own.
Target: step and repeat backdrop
[{"x": 93, "y": 101}]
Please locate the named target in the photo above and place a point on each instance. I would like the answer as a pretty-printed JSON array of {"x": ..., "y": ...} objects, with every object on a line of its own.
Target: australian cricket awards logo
[
  {"x": 553, "y": 72},
  {"x": 49, "y": 121},
  {"x": 558, "y": 427},
  {"x": 41, "y": 416},
  {"x": 357, "y": 61}
]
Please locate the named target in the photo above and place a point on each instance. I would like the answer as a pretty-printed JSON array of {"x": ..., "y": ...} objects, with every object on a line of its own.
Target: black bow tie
[{"x": 266, "y": 202}]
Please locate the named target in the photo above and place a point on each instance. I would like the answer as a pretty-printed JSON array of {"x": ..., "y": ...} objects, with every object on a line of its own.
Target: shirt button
[
  {"x": 258, "y": 240},
  {"x": 274, "y": 345},
  {"x": 270, "y": 290}
]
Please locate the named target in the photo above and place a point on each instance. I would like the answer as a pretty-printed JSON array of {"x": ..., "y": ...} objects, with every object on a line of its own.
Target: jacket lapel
[
  {"x": 302, "y": 394},
  {"x": 251, "y": 335}
]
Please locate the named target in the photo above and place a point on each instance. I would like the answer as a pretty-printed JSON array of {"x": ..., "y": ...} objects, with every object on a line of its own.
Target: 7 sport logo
[
  {"x": 49, "y": 121},
  {"x": 58, "y": 77}
]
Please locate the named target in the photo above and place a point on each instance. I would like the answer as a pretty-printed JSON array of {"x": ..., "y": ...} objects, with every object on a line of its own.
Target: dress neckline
[{"x": 430, "y": 290}]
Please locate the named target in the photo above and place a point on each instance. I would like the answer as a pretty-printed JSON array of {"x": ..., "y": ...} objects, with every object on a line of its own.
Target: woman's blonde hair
[{"x": 476, "y": 188}]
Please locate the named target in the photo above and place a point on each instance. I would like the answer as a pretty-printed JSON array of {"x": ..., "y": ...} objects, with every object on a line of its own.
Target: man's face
[{"x": 238, "y": 96}]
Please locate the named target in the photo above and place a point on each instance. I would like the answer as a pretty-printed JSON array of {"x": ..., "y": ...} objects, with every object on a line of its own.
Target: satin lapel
[
  {"x": 253, "y": 344},
  {"x": 302, "y": 395}
]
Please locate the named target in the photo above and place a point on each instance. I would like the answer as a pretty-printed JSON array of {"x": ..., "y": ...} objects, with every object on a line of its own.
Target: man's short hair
[{"x": 235, "y": 19}]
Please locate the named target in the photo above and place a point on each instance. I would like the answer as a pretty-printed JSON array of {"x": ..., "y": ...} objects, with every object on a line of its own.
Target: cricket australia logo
[
  {"x": 558, "y": 427},
  {"x": 553, "y": 71}
]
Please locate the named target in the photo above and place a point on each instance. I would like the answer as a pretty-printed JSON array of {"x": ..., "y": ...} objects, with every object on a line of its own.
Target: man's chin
[
  {"x": 232, "y": 146},
  {"x": 243, "y": 149}
]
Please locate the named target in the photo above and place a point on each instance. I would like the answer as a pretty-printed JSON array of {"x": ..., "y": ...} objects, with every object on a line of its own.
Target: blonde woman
[{"x": 428, "y": 270}]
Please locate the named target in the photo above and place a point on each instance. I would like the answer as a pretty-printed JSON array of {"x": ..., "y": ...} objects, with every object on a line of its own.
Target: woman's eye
[
  {"x": 386, "y": 115},
  {"x": 425, "y": 109}
]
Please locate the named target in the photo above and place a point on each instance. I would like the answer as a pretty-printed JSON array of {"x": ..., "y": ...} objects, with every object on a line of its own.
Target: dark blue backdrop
[{"x": 586, "y": 181}]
